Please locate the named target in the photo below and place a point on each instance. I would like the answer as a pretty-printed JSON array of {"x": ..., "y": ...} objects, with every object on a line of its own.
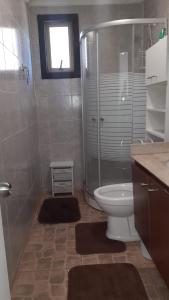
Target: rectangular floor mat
[
  {"x": 105, "y": 282},
  {"x": 91, "y": 239},
  {"x": 59, "y": 210}
]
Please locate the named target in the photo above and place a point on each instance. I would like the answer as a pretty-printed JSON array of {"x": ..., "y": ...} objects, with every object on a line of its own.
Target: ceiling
[{"x": 78, "y": 2}]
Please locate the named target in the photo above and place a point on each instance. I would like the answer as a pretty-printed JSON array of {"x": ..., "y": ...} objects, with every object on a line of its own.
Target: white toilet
[{"x": 116, "y": 201}]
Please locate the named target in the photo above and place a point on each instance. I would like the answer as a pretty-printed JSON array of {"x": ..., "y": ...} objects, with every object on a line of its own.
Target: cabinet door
[
  {"x": 141, "y": 204},
  {"x": 159, "y": 207},
  {"x": 156, "y": 62}
]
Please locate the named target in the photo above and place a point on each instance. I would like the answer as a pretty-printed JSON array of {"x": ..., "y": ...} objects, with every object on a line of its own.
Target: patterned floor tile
[{"x": 50, "y": 253}]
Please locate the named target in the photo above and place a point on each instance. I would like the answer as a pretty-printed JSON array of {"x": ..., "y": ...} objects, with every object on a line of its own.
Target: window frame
[{"x": 70, "y": 20}]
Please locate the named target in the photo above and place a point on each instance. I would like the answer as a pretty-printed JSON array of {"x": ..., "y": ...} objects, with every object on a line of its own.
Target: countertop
[{"x": 154, "y": 158}]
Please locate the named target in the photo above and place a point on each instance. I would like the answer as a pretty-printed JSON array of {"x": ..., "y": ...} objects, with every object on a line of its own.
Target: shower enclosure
[{"x": 114, "y": 97}]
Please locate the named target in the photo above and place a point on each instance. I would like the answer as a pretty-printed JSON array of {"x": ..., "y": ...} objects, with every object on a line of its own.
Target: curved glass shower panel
[
  {"x": 90, "y": 104},
  {"x": 116, "y": 89},
  {"x": 114, "y": 96}
]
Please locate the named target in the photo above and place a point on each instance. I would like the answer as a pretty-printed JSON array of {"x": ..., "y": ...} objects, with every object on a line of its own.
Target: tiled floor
[{"x": 50, "y": 253}]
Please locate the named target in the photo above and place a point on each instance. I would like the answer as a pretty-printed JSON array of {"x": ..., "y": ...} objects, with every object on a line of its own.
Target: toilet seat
[{"x": 116, "y": 194}]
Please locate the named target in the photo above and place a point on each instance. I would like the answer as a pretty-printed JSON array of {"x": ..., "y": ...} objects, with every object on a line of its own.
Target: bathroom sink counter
[{"x": 154, "y": 158}]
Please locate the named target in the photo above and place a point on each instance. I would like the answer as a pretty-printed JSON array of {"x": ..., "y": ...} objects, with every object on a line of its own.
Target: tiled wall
[
  {"x": 59, "y": 101},
  {"x": 156, "y": 8},
  {"x": 19, "y": 159}
]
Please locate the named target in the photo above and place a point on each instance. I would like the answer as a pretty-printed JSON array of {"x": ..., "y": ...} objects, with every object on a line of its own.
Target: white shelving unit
[
  {"x": 155, "y": 133},
  {"x": 62, "y": 177},
  {"x": 156, "y": 62},
  {"x": 157, "y": 84}
]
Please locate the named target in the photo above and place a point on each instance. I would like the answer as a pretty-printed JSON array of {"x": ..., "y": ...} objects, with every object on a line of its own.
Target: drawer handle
[
  {"x": 167, "y": 192},
  {"x": 93, "y": 119},
  {"x": 150, "y": 77},
  {"x": 144, "y": 184},
  {"x": 153, "y": 190}
]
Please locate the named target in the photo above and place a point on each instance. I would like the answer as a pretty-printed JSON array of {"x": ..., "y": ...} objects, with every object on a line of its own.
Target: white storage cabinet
[
  {"x": 157, "y": 90},
  {"x": 156, "y": 62},
  {"x": 62, "y": 177}
]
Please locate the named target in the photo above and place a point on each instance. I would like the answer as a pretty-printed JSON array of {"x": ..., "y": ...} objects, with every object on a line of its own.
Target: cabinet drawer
[
  {"x": 62, "y": 174},
  {"x": 62, "y": 187},
  {"x": 156, "y": 62}
]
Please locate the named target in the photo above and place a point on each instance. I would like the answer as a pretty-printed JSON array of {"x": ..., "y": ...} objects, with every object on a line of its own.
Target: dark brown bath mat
[
  {"x": 105, "y": 282},
  {"x": 59, "y": 210},
  {"x": 91, "y": 238}
]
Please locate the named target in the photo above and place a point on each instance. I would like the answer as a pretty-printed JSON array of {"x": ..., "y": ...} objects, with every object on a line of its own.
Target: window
[
  {"x": 9, "y": 60},
  {"x": 86, "y": 54},
  {"x": 59, "y": 46}
]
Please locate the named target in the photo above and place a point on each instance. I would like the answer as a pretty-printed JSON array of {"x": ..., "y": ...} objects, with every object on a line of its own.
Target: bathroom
[{"x": 106, "y": 124}]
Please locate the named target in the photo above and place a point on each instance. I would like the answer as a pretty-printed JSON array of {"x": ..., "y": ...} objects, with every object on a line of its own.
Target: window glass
[
  {"x": 8, "y": 49},
  {"x": 59, "y": 47},
  {"x": 86, "y": 54}
]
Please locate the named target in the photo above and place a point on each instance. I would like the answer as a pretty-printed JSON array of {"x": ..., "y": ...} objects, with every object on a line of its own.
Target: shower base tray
[{"x": 92, "y": 202}]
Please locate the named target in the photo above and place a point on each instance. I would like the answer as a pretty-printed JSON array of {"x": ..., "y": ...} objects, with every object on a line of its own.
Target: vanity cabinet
[
  {"x": 141, "y": 204},
  {"x": 151, "y": 209},
  {"x": 159, "y": 227}
]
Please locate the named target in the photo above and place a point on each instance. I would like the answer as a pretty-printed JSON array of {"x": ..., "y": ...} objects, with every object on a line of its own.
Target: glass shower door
[
  {"x": 91, "y": 112},
  {"x": 116, "y": 113}
]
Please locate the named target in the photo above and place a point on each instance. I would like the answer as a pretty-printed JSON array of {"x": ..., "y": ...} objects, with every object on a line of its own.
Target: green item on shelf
[{"x": 163, "y": 33}]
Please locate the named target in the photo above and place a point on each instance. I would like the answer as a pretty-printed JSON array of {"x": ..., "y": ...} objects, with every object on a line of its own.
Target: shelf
[
  {"x": 157, "y": 83},
  {"x": 156, "y": 109},
  {"x": 159, "y": 134}
]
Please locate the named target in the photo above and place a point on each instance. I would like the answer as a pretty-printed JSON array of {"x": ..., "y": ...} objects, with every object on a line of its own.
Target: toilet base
[{"x": 122, "y": 229}]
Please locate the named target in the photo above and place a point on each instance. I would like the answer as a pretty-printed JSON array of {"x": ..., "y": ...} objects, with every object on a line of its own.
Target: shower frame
[{"x": 96, "y": 28}]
